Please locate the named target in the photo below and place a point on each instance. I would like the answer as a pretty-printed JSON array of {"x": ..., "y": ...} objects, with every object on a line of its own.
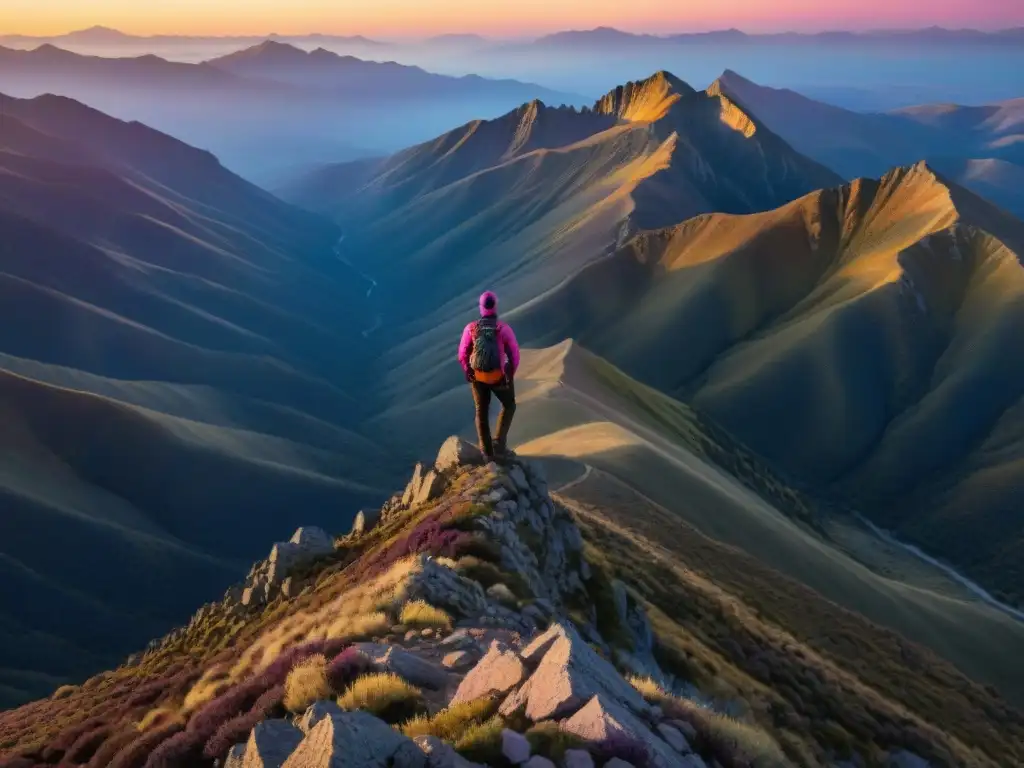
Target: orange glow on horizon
[{"x": 498, "y": 17}]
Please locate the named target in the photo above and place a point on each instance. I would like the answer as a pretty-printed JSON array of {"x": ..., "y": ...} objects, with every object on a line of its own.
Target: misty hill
[
  {"x": 609, "y": 36},
  {"x": 285, "y": 110},
  {"x": 348, "y": 76},
  {"x": 177, "y": 373},
  {"x": 537, "y": 603},
  {"x": 981, "y": 148}
]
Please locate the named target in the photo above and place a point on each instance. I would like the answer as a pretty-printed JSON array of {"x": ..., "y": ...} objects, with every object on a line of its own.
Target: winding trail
[
  {"x": 378, "y": 319},
  {"x": 958, "y": 577}
]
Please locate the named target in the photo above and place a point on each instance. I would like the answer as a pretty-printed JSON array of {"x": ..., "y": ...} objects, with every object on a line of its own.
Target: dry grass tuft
[
  {"x": 481, "y": 743},
  {"x": 728, "y": 739},
  {"x": 385, "y": 695},
  {"x": 64, "y": 691},
  {"x": 451, "y": 723},
  {"x": 354, "y": 628},
  {"x": 159, "y": 717},
  {"x": 306, "y": 683},
  {"x": 421, "y": 614}
]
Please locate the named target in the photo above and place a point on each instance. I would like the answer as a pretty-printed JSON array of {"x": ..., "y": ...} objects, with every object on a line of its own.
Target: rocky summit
[{"x": 460, "y": 625}]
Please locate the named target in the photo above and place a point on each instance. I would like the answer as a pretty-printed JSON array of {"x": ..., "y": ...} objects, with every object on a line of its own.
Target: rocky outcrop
[
  {"x": 269, "y": 577},
  {"x": 404, "y": 664},
  {"x": 568, "y": 673},
  {"x": 498, "y": 672},
  {"x": 355, "y": 740},
  {"x": 603, "y": 720},
  {"x": 269, "y": 745}
]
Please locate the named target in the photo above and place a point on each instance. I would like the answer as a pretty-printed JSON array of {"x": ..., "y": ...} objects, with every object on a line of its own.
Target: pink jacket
[{"x": 509, "y": 346}]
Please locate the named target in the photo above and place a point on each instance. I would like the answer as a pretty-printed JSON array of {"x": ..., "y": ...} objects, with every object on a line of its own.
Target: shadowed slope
[{"x": 176, "y": 377}]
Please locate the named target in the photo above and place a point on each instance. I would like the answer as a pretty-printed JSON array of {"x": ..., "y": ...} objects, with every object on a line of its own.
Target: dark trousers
[{"x": 506, "y": 394}]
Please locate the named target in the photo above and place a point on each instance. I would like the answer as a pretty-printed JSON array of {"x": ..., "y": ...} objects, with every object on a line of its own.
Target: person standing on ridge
[{"x": 489, "y": 354}]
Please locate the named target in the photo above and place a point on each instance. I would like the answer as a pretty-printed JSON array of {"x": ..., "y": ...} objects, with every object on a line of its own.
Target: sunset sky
[{"x": 496, "y": 17}]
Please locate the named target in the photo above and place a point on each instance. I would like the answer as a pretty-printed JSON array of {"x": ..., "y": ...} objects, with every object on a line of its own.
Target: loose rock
[{"x": 515, "y": 747}]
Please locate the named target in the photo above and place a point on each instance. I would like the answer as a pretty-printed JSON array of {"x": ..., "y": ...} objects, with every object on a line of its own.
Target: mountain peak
[{"x": 644, "y": 100}]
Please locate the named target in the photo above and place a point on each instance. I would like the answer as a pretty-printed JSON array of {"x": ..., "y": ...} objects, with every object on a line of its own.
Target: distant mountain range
[
  {"x": 99, "y": 35},
  {"x": 980, "y": 147},
  {"x": 270, "y": 107}
]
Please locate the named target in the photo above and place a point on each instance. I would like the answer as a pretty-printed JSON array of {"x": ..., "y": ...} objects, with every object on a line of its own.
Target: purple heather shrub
[
  {"x": 183, "y": 750},
  {"x": 85, "y": 746},
  {"x": 137, "y": 752},
  {"x": 623, "y": 746},
  {"x": 237, "y": 729},
  {"x": 346, "y": 667},
  {"x": 115, "y": 743},
  {"x": 16, "y": 761},
  {"x": 66, "y": 738}
]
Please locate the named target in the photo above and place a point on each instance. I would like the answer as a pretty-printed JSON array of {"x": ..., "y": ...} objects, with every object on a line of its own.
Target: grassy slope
[
  {"x": 872, "y": 319},
  {"x": 578, "y": 407}
]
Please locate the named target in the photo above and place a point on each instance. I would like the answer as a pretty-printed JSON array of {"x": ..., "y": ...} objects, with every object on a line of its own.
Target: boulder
[
  {"x": 355, "y": 740},
  {"x": 364, "y": 521},
  {"x": 538, "y": 761},
  {"x": 413, "y": 487},
  {"x": 456, "y": 452},
  {"x": 317, "y": 712},
  {"x": 431, "y": 487},
  {"x": 457, "y": 660},
  {"x": 499, "y": 671},
  {"x": 603, "y": 719},
  {"x": 618, "y": 762},
  {"x": 578, "y": 758},
  {"x": 684, "y": 728},
  {"x": 270, "y": 744},
  {"x": 502, "y": 594},
  {"x": 905, "y": 759},
  {"x": 236, "y": 756},
  {"x": 313, "y": 540},
  {"x": 407, "y": 666},
  {"x": 519, "y": 478},
  {"x": 569, "y": 673},
  {"x": 441, "y": 755},
  {"x": 514, "y": 746},
  {"x": 675, "y": 739}
]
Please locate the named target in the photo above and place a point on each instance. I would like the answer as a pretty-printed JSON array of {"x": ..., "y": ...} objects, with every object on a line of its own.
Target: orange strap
[{"x": 489, "y": 377}]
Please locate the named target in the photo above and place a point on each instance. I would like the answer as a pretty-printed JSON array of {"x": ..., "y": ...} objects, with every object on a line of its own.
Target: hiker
[{"x": 489, "y": 355}]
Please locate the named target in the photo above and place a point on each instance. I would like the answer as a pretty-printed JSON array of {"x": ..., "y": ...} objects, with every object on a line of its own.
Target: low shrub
[
  {"x": 451, "y": 723},
  {"x": 385, "y": 695},
  {"x": 733, "y": 743},
  {"x": 64, "y": 691},
  {"x": 347, "y": 667},
  {"x": 421, "y": 614},
  {"x": 306, "y": 683},
  {"x": 85, "y": 746},
  {"x": 104, "y": 756},
  {"x": 134, "y": 755},
  {"x": 481, "y": 742},
  {"x": 237, "y": 729},
  {"x": 549, "y": 740},
  {"x": 182, "y": 750}
]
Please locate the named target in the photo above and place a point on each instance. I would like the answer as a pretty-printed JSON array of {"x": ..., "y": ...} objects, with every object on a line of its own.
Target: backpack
[{"x": 486, "y": 354}]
